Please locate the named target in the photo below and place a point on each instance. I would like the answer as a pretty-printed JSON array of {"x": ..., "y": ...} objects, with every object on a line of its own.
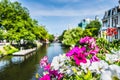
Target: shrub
[
  {"x": 72, "y": 36},
  {"x": 10, "y": 49},
  {"x": 0, "y": 52},
  {"x": 103, "y": 45}
]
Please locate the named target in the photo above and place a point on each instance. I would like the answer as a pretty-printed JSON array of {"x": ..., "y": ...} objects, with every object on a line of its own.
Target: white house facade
[{"x": 111, "y": 19}]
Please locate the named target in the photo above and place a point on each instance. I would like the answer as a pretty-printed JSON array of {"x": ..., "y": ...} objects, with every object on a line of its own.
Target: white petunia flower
[
  {"x": 69, "y": 71},
  {"x": 94, "y": 67},
  {"x": 103, "y": 65},
  {"x": 115, "y": 69},
  {"x": 106, "y": 75},
  {"x": 85, "y": 66},
  {"x": 98, "y": 66},
  {"x": 58, "y": 62},
  {"x": 112, "y": 57},
  {"x": 55, "y": 63},
  {"x": 118, "y": 74}
]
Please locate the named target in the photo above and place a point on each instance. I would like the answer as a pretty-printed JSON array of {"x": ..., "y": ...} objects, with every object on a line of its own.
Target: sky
[{"x": 59, "y": 15}]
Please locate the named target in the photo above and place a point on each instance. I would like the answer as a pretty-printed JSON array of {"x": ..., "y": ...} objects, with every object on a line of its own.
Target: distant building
[
  {"x": 84, "y": 23},
  {"x": 112, "y": 19}
]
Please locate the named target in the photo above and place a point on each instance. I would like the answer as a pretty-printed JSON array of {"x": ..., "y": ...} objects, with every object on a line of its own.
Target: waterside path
[{"x": 24, "y": 52}]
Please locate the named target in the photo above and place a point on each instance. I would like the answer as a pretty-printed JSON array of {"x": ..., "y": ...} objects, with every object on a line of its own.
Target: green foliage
[
  {"x": 88, "y": 76},
  {"x": 103, "y": 44},
  {"x": 115, "y": 44},
  {"x": 51, "y": 38},
  {"x": 71, "y": 37},
  {"x": 61, "y": 36},
  {"x": 10, "y": 49},
  {"x": 18, "y": 23},
  {"x": 87, "y": 32},
  {"x": 94, "y": 27},
  {"x": 82, "y": 76},
  {"x": 41, "y": 33},
  {"x": 1, "y": 34},
  {"x": 0, "y": 52}
]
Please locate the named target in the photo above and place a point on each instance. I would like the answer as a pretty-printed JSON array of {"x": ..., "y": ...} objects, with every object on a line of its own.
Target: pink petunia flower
[
  {"x": 56, "y": 74},
  {"x": 94, "y": 59},
  {"x": 45, "y": 77},
  {"x": 47, "y": 67},
  {"x": 44, "y": 61},
  {"x": 84, "y": 40},
  {"x": 60, "y": 75},
  {"x": 80, "y": 58},
  {"x": 75, "y": 50}
]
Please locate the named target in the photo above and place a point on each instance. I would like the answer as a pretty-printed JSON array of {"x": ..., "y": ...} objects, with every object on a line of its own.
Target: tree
[
  {"x": 94, "y": 27},
  {"x": 51, "y": 37},
  {"x": 41, "y": 33},
  {"x": 71, "y": 37},
  {"x": 18, "y": 23},
  {"x": 87, "y": 32},
  {"x": 1, "y": 34},
  {"x": 61, "y": 36}
]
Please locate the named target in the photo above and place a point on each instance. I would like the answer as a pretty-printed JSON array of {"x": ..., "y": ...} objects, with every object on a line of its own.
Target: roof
[{"x": 111, "y": 11}]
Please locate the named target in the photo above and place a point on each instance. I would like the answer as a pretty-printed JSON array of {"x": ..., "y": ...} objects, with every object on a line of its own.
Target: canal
[{"x": 25, "y": 68}]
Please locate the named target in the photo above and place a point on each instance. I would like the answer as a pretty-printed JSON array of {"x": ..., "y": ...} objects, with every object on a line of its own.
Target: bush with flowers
[{"x": 83, "y": 62}]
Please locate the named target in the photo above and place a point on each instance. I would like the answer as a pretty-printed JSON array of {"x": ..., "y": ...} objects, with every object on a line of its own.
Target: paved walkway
[{"x": 24, "y": 52}]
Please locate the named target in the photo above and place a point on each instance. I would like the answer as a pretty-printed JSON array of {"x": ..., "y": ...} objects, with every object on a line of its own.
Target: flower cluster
[
  {"x": 88, "y": 49},
  {"x": 114, "y": 57},
  {"x": 52, "y": 69},
  {"x": 111, "y": 31},
  {"x": 44, "y": 63},
  {"x": 81, "y": 63}
]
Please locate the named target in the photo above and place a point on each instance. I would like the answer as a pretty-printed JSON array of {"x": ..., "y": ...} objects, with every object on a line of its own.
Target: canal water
[{"x": 25, "y": 68}]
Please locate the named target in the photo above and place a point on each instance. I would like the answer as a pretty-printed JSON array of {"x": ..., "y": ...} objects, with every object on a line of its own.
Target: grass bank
[{"x": 7, "y": 50}]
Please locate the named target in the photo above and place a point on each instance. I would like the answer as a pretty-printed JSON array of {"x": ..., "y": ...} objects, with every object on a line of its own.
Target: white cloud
[
  {"x": 40, "y": 9},
  {"x": 86, "y": 12}
]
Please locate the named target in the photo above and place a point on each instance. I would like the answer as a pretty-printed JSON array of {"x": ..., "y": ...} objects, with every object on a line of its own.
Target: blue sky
[{"x": 58, "y": 15}]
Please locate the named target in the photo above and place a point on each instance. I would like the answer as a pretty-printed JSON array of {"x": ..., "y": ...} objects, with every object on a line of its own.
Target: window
[
  {"x": 113, "y": 12},
  {"x": 116, "y": 21},
  {"x": 109, "y": 12}
]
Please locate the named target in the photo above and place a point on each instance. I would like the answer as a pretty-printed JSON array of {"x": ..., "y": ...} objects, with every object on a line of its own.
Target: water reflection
[
  {"x": 3, "y": 64},
  {"x": 17, "y": 59},
  {"x": 25, "y": 68}
]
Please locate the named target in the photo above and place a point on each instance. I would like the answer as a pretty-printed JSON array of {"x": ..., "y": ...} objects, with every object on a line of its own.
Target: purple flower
[
  {"x": 83, "y": 49},
  {"x": 53, "y": 72},
  {"x": 56, "y": 74},
  {"x": 86, "y": 53},
  {"x": 94, "y": 59},
  {"x": 92, "y": 45},
  {"x": 45, "y": 77},
  {"x": 80, "y": 58},
  {"x": 88, "y": 40},
  {"x": 47, "y": 67},
  {"x": 91, "y": 40},
  {"x": 44, "y": 61},
  {"x": 84, "y": 40},
  {"x": 75, "y": 50},
  {"x": 94, "y": 51},
  {"x": 60, "y": 75}
]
